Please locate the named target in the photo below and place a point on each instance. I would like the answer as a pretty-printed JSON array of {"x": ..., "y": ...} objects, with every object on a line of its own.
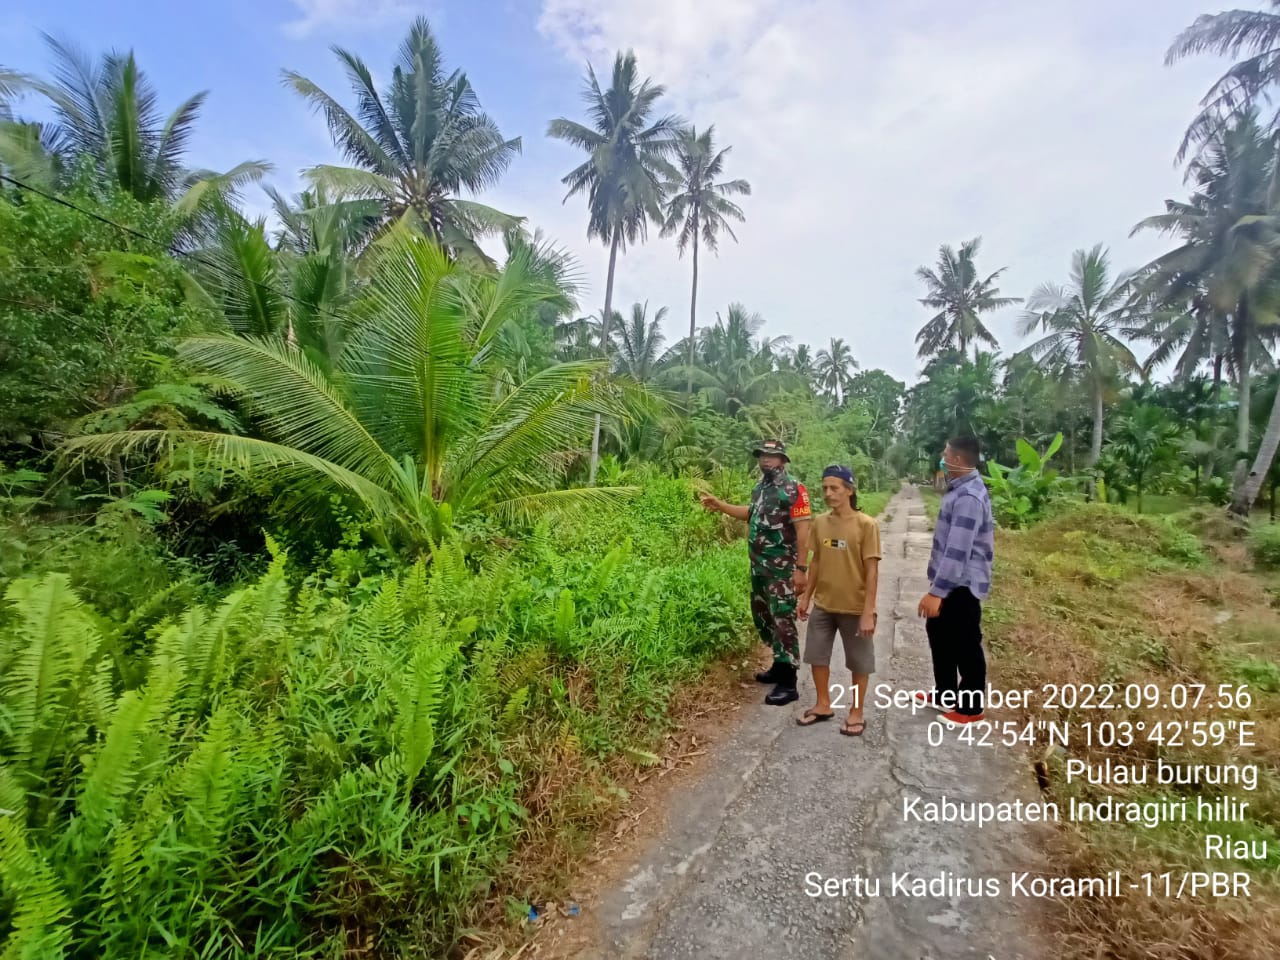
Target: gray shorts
[{"x": 820, "y": 637}]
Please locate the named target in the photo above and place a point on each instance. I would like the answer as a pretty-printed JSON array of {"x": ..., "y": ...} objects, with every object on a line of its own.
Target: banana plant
[{"x": 1019, "y": 494}]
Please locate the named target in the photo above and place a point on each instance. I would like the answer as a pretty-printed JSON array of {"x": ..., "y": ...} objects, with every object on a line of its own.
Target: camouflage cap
[{"x": 774, "y": 447}]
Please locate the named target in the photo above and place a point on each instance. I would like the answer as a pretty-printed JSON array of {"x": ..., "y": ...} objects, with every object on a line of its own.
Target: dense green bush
[
  {"x": 1264, "y": 545},
  {"x": 84, "y": 307},
  {"x": 1217, "y": 490},
  {"x": 110, "y": 548},
  {"x": 332, "y": 760}
]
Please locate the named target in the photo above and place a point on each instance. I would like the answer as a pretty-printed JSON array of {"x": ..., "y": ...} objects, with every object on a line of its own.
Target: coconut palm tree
[
  {"x": 733, "y": 367},
  {"x": 699, "y": 207},
  {"x": 417, "y": 146},
  {"x": 580, "y": 338},
  {"x": 107, "y": 111},
  {"x": 832, "y": 369},
  {"x": 298, "y": 290},
  {"x": 1245, "y": 83},
  {"x": 640, "y": 351},
  {"x": 1229, "y": 233},
  {"x": 625, "y": 172},
  {"x": 1081, "y": 323},
  {"x": 952, "y": 396},
  {"x": 960, "y": 296},
  {"x": 801, "y": 361},
  {"x": 408, "y": 422},
  {"x": 313, "y": 221},
  {"x": 1187, "y": 330},
  {"x": 12, "y": 83},
  {"x": 1246, "y": 492},
  {"x": 798, "y": 366}
]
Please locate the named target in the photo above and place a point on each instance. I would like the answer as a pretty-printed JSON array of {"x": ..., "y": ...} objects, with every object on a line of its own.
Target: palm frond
[
  {"x": 352, "y": 139},
  {"x": 294, "y": 399}
]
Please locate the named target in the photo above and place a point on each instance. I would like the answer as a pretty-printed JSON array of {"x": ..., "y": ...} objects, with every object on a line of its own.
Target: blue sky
[
  {"x": 236, "y": 50},
  {"x": 872, "y": 131}
]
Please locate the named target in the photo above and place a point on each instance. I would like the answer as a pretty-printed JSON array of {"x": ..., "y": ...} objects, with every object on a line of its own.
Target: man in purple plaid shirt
[{"x": 960, "y": 577}]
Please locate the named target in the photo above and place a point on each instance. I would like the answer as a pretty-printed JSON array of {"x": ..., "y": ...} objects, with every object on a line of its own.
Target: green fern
[
  {"x": 43, "y": 658},
  {"x": 449, "y": 574},
  {"x": 485, "y": 660},
  {"x": 415, "y": 596},
  {"x": 181, "y": 648},
  {"x": 38, "y": 925},
  {"x": 208, "y": 779},
  {"x": 531, "y": 663},
  {"x": 113, "y": 772},
  {"x": 125, "y": 871},
  {"x": 566, "y": 619},
  {"x": 597, "y": 582},
  {"x": 207, "y": 652},
  {"x": 382, "y": 618},
  {"x": 419, "y": 699},
  {"x": 514, "y": 711}
]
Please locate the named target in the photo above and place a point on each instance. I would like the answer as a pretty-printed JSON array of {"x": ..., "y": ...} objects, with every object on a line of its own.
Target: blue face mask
[{"x": 942, "y": 464}]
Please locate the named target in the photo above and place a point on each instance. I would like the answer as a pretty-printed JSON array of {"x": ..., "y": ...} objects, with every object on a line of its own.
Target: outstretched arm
[{"x": 716, "y": 505}]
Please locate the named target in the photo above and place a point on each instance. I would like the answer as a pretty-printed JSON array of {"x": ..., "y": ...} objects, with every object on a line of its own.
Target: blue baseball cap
[{"x": 841, "y": 471}]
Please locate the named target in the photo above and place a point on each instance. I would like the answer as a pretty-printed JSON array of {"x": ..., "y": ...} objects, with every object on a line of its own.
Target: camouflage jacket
[{"x": 776, "y": 504}]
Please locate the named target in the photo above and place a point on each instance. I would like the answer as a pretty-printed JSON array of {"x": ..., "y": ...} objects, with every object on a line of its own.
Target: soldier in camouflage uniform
[{"x": 778, "y": 519}]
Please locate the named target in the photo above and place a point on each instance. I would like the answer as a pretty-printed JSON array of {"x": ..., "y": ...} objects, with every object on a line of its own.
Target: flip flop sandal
[
  {"x": 810, "y": 717},
  {"x": 848, "y": 730}
]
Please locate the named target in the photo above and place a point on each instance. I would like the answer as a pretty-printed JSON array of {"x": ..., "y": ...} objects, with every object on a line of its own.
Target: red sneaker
[
  {"x": 927, "y": 700},
  {"x": 956, "y": 717}
]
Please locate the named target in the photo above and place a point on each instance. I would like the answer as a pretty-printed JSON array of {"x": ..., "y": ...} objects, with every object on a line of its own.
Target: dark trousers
[{"x": 955, "y": 641}]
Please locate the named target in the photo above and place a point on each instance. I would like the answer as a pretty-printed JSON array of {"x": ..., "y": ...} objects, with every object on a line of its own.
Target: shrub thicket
[{"x": 324, "y": 761}]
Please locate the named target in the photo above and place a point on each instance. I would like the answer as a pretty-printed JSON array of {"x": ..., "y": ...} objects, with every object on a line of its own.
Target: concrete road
[{"x": 783, "y": 808}]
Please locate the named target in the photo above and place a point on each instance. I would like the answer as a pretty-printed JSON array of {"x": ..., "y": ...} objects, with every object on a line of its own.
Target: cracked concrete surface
[{"x": 727, "y": 877}]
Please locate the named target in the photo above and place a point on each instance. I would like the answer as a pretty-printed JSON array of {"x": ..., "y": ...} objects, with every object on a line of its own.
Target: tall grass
[{"x": 1098, "y": 594}]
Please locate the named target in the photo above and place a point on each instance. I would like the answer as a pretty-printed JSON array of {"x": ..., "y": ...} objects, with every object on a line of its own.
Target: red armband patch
[{"x": 801, "y": 509}]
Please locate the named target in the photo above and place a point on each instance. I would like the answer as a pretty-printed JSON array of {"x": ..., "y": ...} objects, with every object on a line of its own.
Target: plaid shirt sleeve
[{"x": 953, "y": 558}]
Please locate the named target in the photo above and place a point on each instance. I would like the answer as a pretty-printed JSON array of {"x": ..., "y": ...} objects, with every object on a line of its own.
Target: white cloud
[
  {"x": 874, "y": 132},
  {"x": 346, "y": 13}
]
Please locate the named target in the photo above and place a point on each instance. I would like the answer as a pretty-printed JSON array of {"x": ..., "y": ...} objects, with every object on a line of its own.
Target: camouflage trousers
[{"x": 773, "y": 608}]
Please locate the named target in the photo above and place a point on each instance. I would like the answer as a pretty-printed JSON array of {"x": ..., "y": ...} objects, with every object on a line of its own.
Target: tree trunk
[
  {"x": 1244, "y": 376},
  {"x": 1246, "y": 492},
  {"x": 1242, "y": 416},
  {"x": 1095, "y": 444},
  {"x": 693, "y": 308},
  {"x": 1217, "y": 385},
  {"x": 604, "y": 345}
]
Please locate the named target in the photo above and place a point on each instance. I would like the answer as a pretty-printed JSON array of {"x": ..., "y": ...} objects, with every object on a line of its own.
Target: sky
[{"x": 871, "y": 131}]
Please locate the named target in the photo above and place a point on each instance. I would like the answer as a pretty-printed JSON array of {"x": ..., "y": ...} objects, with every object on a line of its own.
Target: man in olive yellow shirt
[{"x": 843, "y": 577}]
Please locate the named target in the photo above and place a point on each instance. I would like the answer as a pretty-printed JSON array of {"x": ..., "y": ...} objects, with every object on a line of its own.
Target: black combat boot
[
  {"x": 785, "y": 692},
  {"x": 773, "y": 674}
]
